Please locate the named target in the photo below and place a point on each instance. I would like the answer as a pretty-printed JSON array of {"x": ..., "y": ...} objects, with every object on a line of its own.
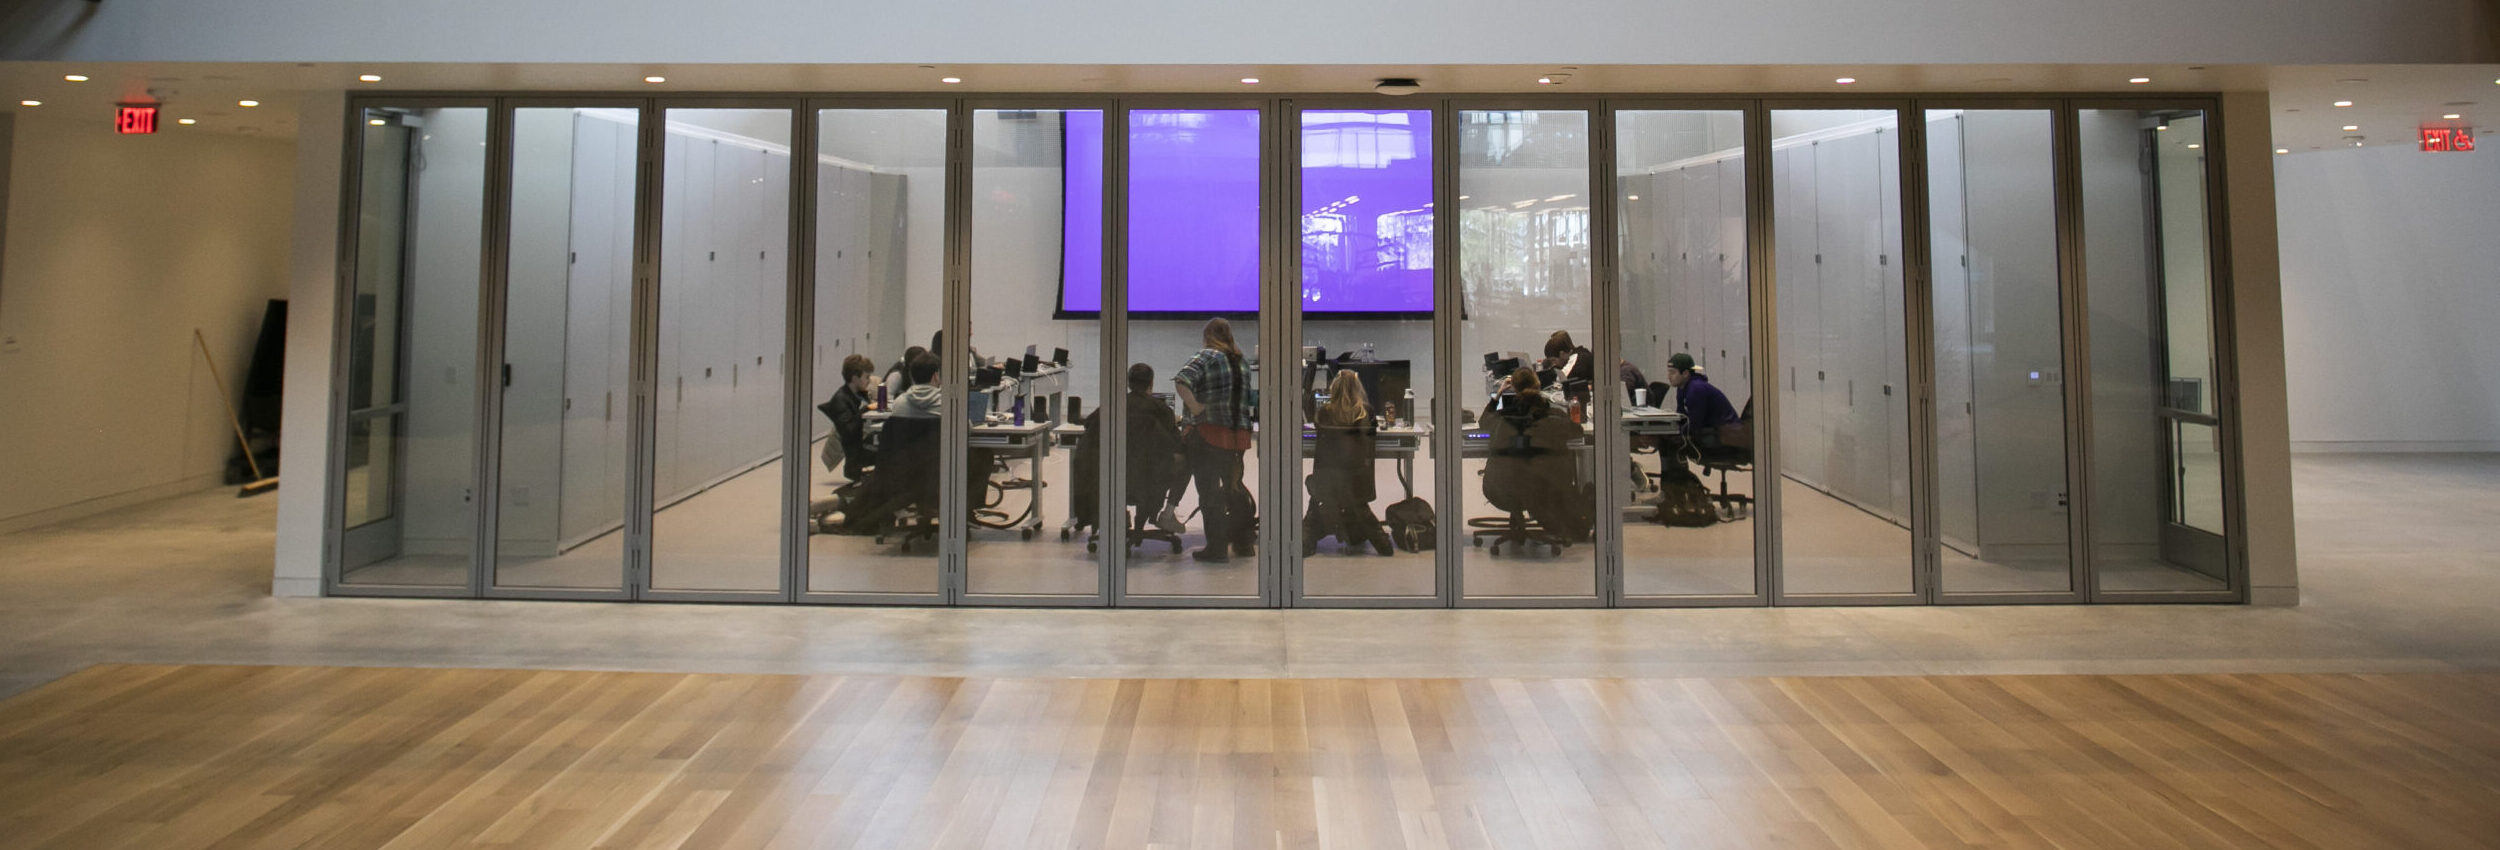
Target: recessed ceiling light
[
  {"x": 2343, "y": 103},
  {"x": 655, "y": 78},
  {"x": 2194, "y": 146},
  {"x": 76, "y": 78},
  {"x": 1631, "y": 197},
  {"x": 1846, "y": 80},
  {"x": 186, "y": 121},
  {"x": 30, "y": 103},
  {"x": 376, "y": 121},
  {"x": 2139, "y": 80},
  {"x": 950, "y": 80},
  {"x": 2452, "y": 116},
  {"x": 2351, "y": 127},
  {"x": 1249, "y": 81},
  {"x": 1544, "y": 81},
  {"x": 247, "y": 104},
  {"x": 2279, "y": 151},
  {"x": 369, "y": 78}
]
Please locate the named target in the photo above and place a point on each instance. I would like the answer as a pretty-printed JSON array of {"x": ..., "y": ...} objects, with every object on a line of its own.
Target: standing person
[{"x": 1214, "y": 391}]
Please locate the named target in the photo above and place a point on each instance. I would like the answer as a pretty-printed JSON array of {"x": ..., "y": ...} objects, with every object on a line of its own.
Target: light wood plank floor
[{"x": 163, "y": 757}]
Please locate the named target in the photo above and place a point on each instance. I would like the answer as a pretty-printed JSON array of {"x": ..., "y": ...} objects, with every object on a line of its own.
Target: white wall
[
  {"x": 1284, "y": 31},
  {"x": 117, "y": 248},
  {"x": 2391, "y": 291}
]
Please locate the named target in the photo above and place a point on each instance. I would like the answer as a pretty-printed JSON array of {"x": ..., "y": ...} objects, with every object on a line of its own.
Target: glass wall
[
  {"x": 875, "y": 444},
  {"x": 567, "y": 373},
  {"x": 1364, "y": 382},
  {"x": 1195, "y": 268},
  {"x": 643, "y": 356},
  {"x": 724, "y": 294},
  {"x": 2000, "y": 366},
  {"x": 1844, "y": 405},
  {"x": 1035, "y": 456},
  {"x": 1523, "y": 238},
  {"x": 1686, "y": 367},
  {"x": 412, "y": 348},
  {"x": 2157, "y": 515}
]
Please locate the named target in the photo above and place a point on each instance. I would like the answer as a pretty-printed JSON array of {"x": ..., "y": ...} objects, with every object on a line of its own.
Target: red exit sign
[
  {"x": 135, "y": 120},
  {"x": 2447, "y": 139}
]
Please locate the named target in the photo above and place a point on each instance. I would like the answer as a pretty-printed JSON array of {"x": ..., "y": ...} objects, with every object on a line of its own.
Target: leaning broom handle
[{"x": 222, "y": 398}]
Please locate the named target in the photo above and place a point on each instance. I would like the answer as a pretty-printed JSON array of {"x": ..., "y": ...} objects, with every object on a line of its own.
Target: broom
[{"x": 260, "y": 483}]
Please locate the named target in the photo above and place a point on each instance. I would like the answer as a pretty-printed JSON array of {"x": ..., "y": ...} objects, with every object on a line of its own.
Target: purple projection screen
[{"x": 1366, "y": 222}]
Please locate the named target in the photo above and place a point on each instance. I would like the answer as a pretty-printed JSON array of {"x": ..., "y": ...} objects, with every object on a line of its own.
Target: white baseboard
[
  {"x": 2317, "y": 447},
  {"x": 2274, "y": 597},
  {"x": 295, "y": 586},
  {"x": 90, "y": 507}
]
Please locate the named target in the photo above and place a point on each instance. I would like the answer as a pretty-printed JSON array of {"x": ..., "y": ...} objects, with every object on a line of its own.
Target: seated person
[
  {"x": 908, "y": 452},
  {"x": 1530, "y": 467},
  {"x": 898, "y": 377},
  {"x": 1710, "y": 422},
  {"x": 848, "y": 411},
  {"x": 1155, "y": 476},
  {"x": 1633, "y": 379},
  {"x": 1574, "y": 367},
  {"x": 1342, "y": 483}
]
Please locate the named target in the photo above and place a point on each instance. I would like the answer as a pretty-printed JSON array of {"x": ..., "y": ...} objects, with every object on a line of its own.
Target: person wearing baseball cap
[{"x": 1705, "y": 408}]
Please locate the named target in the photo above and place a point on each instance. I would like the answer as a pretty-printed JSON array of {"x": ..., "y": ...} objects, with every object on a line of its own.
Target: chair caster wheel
[
  {"x": 1091, "y": 547},
  {"x": 1028, "y": 534},
  {"x": 1063, "y": 535}
]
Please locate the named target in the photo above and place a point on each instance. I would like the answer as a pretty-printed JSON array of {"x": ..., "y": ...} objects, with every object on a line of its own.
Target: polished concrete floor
[{"x": 2399, "y": 570}]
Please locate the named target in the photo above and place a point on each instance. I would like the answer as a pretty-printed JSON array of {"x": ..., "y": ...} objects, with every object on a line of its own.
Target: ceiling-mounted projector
[{"x": 1398, "y": 85}]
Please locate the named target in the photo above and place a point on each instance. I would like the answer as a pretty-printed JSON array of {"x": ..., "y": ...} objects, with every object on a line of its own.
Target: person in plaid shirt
[{"x": 1214, "y": 390}]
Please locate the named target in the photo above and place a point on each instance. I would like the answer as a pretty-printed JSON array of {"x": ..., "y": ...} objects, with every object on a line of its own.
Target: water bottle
[
  {"x": 1016, "y": 409},
  {"x": 1406, "y": 408},
  {"x": 881, "y": 397}
]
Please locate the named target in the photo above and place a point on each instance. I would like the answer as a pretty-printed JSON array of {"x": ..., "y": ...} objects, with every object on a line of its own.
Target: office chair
[
  {"x": 1726, "y": 460},
  {"x": 1153, "y": 441},
  {"x": 908, "y": 476},
  {"x": 1530, "y": 476}
]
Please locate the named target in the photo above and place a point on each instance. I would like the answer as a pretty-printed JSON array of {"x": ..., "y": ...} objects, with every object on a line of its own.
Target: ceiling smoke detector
[{"x": 1398, "y": 86}]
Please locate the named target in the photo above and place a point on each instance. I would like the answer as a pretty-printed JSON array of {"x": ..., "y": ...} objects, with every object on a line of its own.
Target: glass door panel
[
  {"x": 567, "y": 373},
  {"x": 1687, "y": 356},
  {"x": 724, "y": 293},
  {"x": 880, "y": 226},
  {"x": 1364, "y": 386},
  {"x": 1034, "y": 461},
  {"x": 1526, "y": 449},
  {"x": 1195, "y": 269},
  {"x": 412, "y": 351},
  {"x": 2000, "y": 376},
  {"x": 2157, "y": 512},
  {"x": 1845, "y": 397}
]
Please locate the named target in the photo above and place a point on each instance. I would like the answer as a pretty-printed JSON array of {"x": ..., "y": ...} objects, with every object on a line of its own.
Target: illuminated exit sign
[
  {"x": 135, "y": 120},
  {"x": 2447, "y": 139}
]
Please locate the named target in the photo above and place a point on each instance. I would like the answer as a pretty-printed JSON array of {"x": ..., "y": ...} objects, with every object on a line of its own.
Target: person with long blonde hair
[
  {"x": 1341, "y": 484},
  {"x": 1214, "y": 389}
]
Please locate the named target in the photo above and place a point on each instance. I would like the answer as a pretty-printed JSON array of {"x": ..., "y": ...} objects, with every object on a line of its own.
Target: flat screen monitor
[{"x": 1366, "y": 223}]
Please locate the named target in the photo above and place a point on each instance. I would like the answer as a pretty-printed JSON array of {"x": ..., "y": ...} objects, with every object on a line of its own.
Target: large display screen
[{"x": 1193, "y": 236}]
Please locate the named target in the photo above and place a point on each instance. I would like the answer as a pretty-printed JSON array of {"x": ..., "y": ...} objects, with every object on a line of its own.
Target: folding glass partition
[
  {"x": 2001, "y": 425},
  {"x": 1198, "y": 262},
  {"x": 1037, "y": 527},
  {"x": 2157, "y": 431},
  {"x": 566, "y": 482},
  {"x": 878, "y": 242},
  {"x": 1525, "y": 267},
  {"x": 718, "y": 480},
  {"x": 409, "y": 510},
  {"x": 1845, "y": 509},
  {"x": 1363, "y": 412},
  {"x": 579, "y": 357},
  {"x": 1685, "y": 364}
]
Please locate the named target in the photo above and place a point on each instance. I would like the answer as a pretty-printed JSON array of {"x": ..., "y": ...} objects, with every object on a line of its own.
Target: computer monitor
[{"x": 1059, "y": 356}]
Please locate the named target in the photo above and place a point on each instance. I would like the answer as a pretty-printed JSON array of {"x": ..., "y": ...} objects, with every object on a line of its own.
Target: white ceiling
[{"x": 2390, "y": 101}]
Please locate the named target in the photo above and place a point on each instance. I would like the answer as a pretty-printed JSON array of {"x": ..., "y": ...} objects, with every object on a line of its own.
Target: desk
[
  {"x": 1400, "y": 444},
  {"x": 1031, "y": 441}
]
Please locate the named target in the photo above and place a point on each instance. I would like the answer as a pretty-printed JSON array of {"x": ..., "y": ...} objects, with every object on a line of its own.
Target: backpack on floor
[
  {"x": 1412, "y": 525},
  {"x": 1683, "y": 501}
]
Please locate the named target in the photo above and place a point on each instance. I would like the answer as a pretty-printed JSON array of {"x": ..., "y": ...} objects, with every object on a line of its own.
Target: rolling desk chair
[
  {"x": 1530, "y": 474},
  {"x": 906, "y": 481},
  {"x": 1727, "y": 460},
  {"x": 1153, "y": 444}
]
